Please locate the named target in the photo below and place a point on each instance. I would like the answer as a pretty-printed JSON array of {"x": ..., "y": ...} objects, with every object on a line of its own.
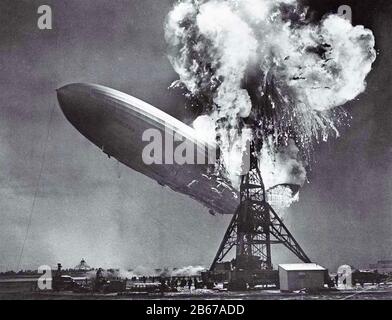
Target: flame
[{"x": 258, "y": 70}]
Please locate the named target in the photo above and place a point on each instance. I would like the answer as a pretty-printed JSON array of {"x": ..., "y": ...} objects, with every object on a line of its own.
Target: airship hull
[{"x": 116, "y": 122}]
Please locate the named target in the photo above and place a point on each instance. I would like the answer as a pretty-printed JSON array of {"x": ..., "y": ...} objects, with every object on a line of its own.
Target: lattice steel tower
[{"x": 255, "y": 226}]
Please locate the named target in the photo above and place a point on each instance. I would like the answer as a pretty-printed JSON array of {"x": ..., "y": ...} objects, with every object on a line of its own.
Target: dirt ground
[{"x": 367, "y": 293}]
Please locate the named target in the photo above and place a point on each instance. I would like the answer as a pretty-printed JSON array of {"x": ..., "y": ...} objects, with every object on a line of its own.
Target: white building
[{"x": 299, "y": 276}]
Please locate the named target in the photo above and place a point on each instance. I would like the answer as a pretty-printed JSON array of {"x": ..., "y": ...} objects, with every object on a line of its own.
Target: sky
[{"x": 84, "y": 205}]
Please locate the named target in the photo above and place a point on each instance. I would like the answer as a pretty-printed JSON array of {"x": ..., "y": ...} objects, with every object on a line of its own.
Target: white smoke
[
  {"x": 140, "y": 271},
  {"x": 327, "y": 81},
  {"x": 189, "y": 271},
  {"x": 282, "y": 166},
  {"x": 281, "y": 197},
  {"x": 235, "y": 46},
  {"x": 299, "y": 72}
]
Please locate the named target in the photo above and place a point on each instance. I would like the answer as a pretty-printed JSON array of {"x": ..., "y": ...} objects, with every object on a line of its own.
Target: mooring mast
[{"x": 255, "y": 226}]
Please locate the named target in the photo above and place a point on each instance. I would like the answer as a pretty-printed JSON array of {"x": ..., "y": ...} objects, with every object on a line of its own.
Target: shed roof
[{"x": 302, "y": 267}]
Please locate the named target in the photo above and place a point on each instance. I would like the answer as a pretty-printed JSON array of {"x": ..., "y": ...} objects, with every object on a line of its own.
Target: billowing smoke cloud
[
  {"x": 259, "y": 71},
  {"x": 140, "y": 271},
  {"x": 189, "y": 271},
  {"x": 281, "y": 165}
]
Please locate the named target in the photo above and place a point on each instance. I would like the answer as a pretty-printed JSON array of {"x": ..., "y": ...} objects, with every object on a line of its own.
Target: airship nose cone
[
  {"x": 70, "y": 103},
  {"x": 81, "y": 110}
]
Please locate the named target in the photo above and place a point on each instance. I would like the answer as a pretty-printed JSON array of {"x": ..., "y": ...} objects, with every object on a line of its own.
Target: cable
[{"x": 36, "y": 188}]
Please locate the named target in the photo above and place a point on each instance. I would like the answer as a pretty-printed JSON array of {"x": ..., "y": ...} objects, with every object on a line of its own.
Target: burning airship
[
  {"x": 257, "y": 72},
  {"x": 116, "y": 122}
]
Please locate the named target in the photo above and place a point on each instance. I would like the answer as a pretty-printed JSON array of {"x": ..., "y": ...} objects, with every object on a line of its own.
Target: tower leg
[{"x": 228, "y": 242}]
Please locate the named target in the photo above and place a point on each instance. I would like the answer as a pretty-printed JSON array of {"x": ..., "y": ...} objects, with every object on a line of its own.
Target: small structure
[
  {"x": 82, "y": 266},
  {"x": 293, "y": 277}
]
